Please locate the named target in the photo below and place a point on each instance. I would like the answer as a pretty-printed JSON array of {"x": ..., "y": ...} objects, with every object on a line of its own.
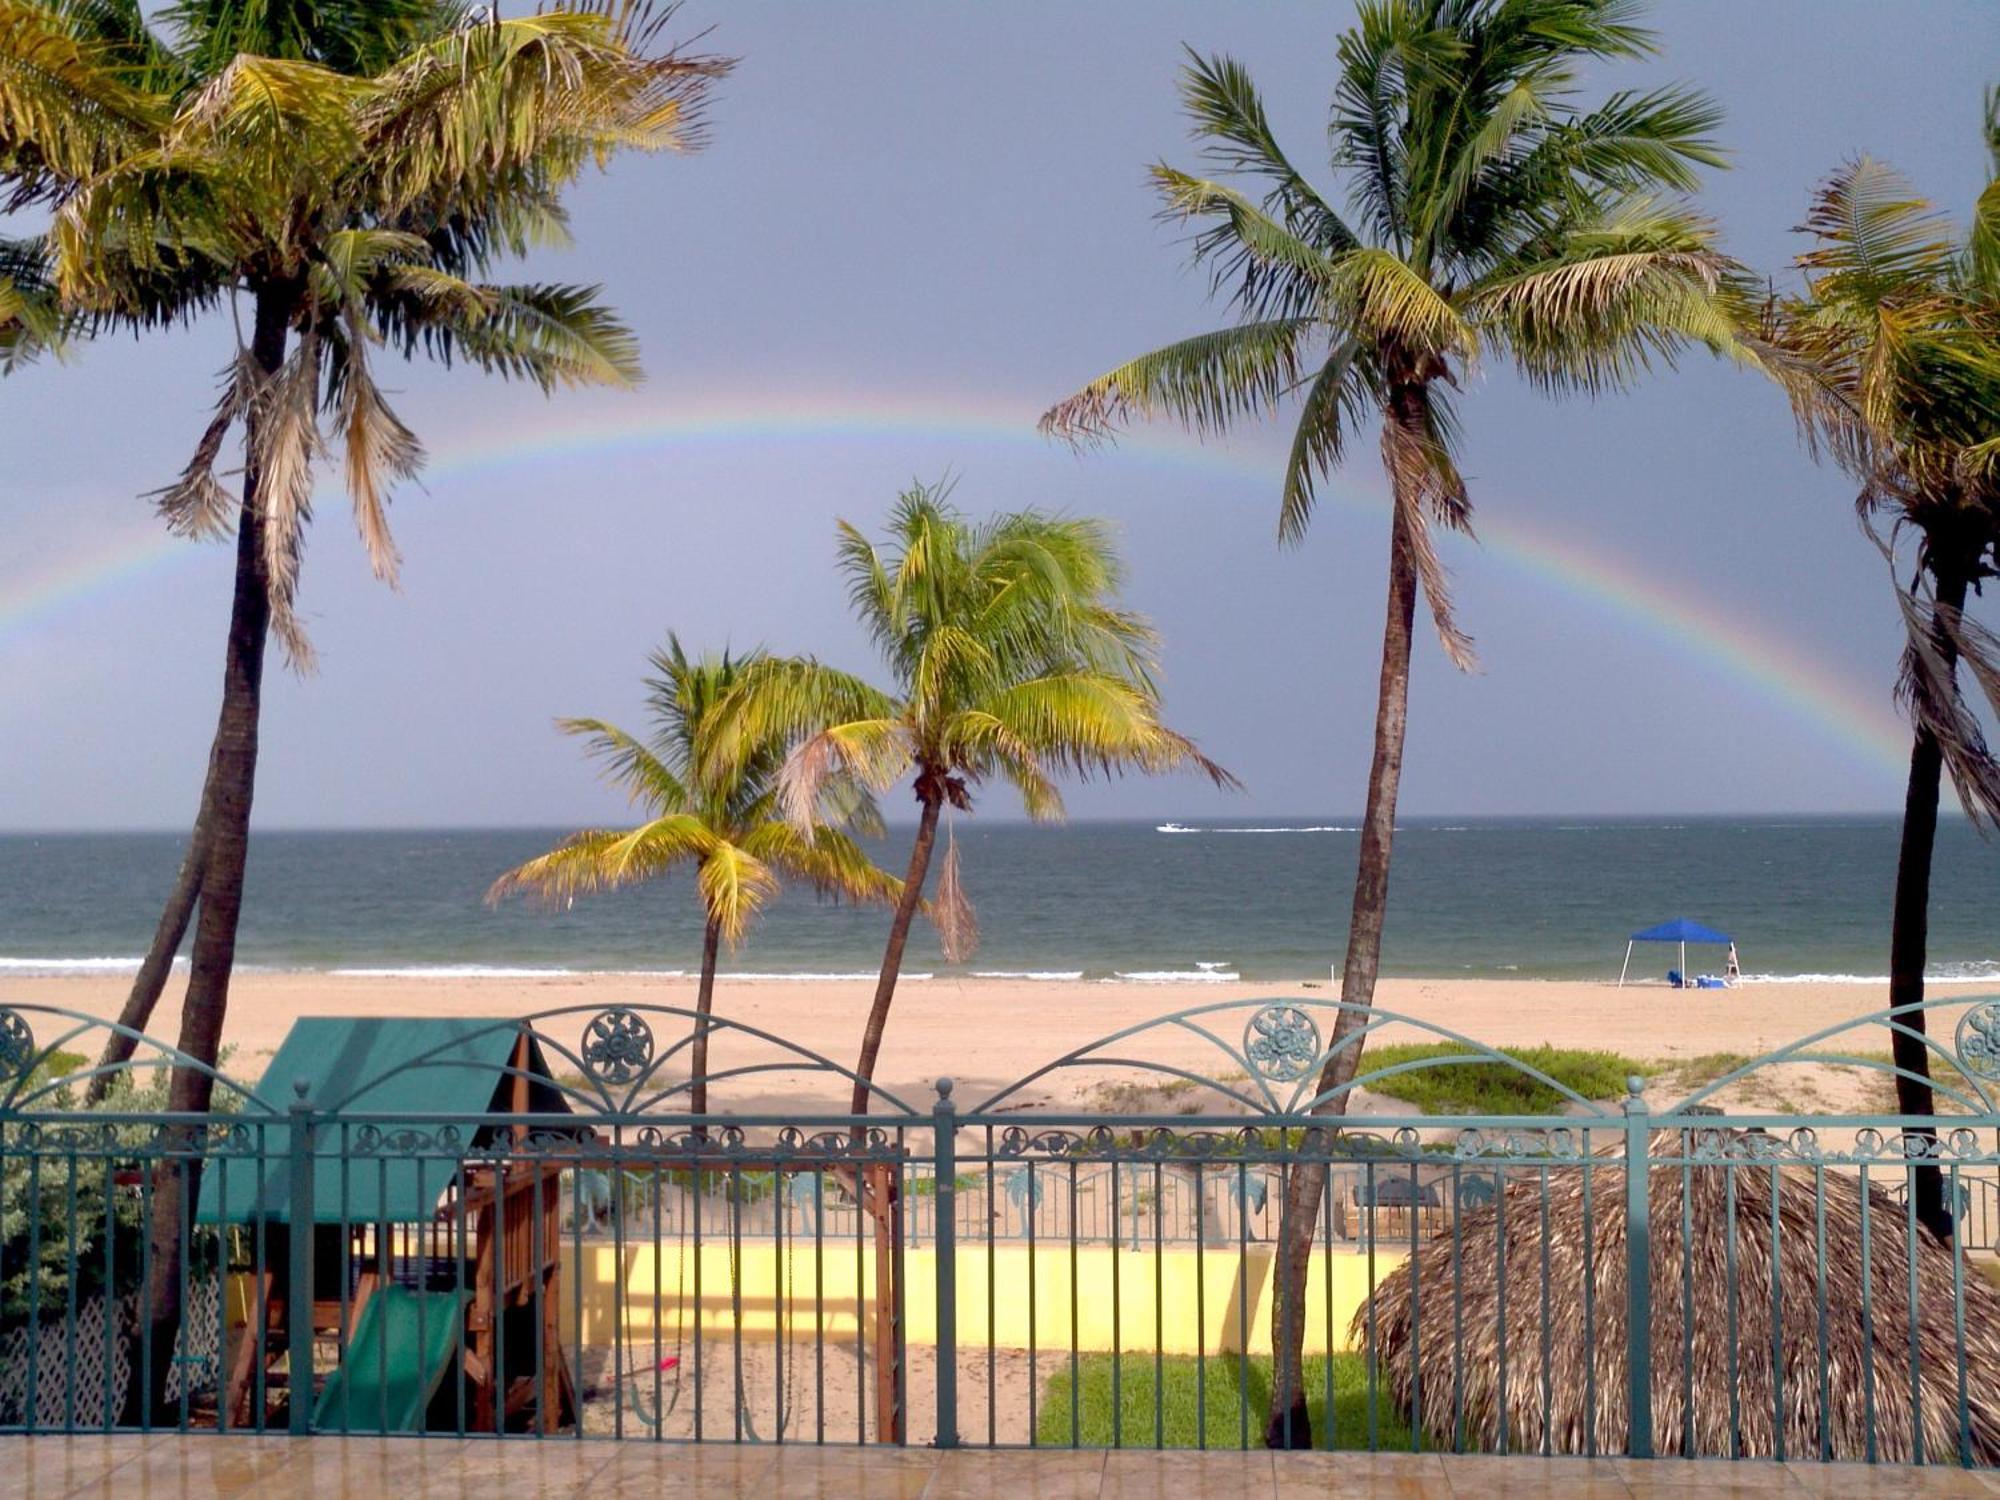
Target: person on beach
[{"x": 1732, "y": 971}]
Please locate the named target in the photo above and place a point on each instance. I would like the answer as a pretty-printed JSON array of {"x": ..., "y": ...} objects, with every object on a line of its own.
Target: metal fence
[{"x": 584, "y": 1258}]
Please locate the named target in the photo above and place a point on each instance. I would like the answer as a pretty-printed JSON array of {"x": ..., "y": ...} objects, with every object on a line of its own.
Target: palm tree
[
  {"x": 1490, "y": 213},
  {"x": 1009, "y": 658},
  {"x": 1899, "y": 323},
  {"x": 352, "y": 172},
  {"x": 719, "y": 816}
]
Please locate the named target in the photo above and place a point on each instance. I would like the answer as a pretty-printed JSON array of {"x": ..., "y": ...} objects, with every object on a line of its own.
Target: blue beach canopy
[{"x": 1680, "y": 930}]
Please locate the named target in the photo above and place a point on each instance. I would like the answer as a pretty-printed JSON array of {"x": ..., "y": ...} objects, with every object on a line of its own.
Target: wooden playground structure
[
  {"x": 438, "y": 1298},
  {"x": 420, "y": 1290}
]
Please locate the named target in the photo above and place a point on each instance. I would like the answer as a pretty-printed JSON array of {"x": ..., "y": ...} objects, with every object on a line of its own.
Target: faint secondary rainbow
[{"x": 1749, "y": 653}]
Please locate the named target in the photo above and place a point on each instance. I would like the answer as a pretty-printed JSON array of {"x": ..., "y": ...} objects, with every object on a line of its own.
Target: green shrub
[
  {"x": 1496, "y": 1088},
  {"x": 77, "y": 1189}
]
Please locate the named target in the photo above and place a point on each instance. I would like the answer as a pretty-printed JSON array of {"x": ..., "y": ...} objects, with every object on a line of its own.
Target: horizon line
[{"x": 1020, "y": 820}]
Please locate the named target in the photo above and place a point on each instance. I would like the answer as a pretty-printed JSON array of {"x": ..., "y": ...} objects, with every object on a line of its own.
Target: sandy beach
[{"x": 988, "y": 1033}]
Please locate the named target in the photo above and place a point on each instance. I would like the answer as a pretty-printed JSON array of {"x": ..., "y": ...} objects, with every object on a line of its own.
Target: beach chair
[{"x": 1675, "y": 978}]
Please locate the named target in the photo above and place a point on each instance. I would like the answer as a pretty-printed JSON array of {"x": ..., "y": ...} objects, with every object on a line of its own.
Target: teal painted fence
[{"x": 566, "y": 1252}]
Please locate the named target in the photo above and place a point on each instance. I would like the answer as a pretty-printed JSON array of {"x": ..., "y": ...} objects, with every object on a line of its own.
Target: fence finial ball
[
  {"x": 944, "y": 1087},
  {"x": 301, "y": 1087},
  {"x": 1635, "y": 1085}
]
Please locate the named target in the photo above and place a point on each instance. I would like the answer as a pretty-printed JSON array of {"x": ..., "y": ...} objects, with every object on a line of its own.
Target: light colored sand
[{"x": 987, "y": 1033}]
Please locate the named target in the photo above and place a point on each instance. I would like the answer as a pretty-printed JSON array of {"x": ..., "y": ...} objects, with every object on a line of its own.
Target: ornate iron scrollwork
[
  {"x": 1978, "y": 1040},
  {"x": 404, "y": 1140},
  {"x": 617, "y": 1047},
  {"x": 1281, "y": 1043},
  {"x": 17, "y": 1044}
]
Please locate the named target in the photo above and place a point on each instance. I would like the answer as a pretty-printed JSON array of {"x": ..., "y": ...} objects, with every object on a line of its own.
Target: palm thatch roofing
[{"x": 1716, "y": 1393}]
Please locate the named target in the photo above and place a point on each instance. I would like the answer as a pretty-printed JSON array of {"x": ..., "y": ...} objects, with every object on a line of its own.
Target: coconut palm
[
  {"x": 351, "y": 173},
  {"x": 718, "y": 816},
  {"x": 1009, "y": 659},
  {"x": 1491, "y": 214},
  {"x": 1900, "y": 324}
]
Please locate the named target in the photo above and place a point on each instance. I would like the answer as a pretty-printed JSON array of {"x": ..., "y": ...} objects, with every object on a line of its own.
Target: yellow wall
[{"x": 1209, "y": 1300}]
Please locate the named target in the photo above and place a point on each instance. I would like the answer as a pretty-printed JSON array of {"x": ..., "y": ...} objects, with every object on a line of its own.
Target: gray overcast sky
[{"x": 913, "y": 210}]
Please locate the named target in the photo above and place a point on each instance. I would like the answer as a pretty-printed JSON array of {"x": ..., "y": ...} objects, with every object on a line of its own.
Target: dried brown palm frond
[
  {"x": 1427, "y": 490},
  {"x": 951, "y": 910},
  {"x": 286, "y": 442},
  {"x": 197, "y": 504},
  {"x": 1713, "y": 1367}
]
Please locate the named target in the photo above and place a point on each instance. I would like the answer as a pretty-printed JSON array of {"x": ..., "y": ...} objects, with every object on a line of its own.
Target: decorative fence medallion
[
  {"x": 1978, "y": 1040},
  {"x": 1281, "y": 1042},
  {"x": 17, "y": 1044},
  {"x": 617, "y": 1046}
]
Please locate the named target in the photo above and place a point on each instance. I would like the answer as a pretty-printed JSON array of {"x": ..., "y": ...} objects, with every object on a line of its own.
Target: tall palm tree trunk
[
  {"x": 1288, "y": 1424},
  {"x": 1909, "y": 930},
  {"x": 222, "y": 833},
  {"x": 899, "y": 937},
  {"x": 704, "y": 1006}
]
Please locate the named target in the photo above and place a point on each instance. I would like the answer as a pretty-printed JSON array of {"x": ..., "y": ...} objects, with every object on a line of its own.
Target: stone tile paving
[{"x": 175, "y": 1467}]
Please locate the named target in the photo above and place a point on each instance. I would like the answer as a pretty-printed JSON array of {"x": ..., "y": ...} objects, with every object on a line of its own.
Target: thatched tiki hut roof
[{"x": 1462, "y": 1289}]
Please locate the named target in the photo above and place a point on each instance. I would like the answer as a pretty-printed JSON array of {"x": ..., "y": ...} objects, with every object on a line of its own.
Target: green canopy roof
[{"x": 385, "y": 1068}]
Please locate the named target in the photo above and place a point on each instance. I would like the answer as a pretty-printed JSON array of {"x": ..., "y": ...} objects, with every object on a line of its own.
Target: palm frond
[
  {"x": 1334, "y": 406},
  {"x": 1206, "y": 382},
  {"x": 1274, "y": 272},
  {"x": 781, "y": 700},
  {"x": 285, "y": 442},
  {"x": 1425, "y": 487},
  {"x": 1386, "y": 301},
  {"x": 197, "y": 504},
  {"x": 734, "y": 886},
  {"x": 1874, "y": 235},
  {"x": 600, "y": 859},
  {"x": 550, "y": 334},
  {"x": 379, "y": 450},
  {"x": 544, "y": 93},
  {"x": 951, "y": 910},
  {"x": 871, "y": 752},
  {"x": 829, "y": 860},
  {"x": 1236, "y": 136},
  {"x": 631, "y": 765},
  {"x": 70, "y": 104},
  {"x": 1622, "y": 293}
]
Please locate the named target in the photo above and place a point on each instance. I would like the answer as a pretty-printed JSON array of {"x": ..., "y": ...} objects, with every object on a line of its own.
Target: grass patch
[
  {"x": 1161, "y": 1095},
  {"x": 1882, "y": 1085},
  {"x": 1699, "y": 1072},
  {"x": 1202, "y": 1404},
  {"x": 1497, "y": 1088}
]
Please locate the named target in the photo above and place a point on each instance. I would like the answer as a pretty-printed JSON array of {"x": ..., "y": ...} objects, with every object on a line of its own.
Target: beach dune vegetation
[
  {"x": 1490, "y": 215},
  {"x": 1434, "y": 1080},
  {"x": 718, "y": 816}
]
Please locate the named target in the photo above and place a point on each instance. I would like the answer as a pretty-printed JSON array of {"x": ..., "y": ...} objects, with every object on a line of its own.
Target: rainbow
[{"x": 1742, "y": 650}]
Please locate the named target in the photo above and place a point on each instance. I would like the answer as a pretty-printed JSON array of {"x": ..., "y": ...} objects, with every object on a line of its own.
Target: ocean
[{"x": 1119, "y": 902}]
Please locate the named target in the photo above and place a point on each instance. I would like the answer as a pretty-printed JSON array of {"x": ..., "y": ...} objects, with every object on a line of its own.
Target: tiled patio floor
[{"x": 171, "y": 1467}]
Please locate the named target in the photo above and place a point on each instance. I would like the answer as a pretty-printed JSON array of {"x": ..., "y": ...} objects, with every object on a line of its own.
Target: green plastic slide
[{"x": 401, "y": 1351}]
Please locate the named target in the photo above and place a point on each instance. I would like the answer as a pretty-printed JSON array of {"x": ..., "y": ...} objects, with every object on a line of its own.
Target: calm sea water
[{"x": 1095, "y": 900}]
